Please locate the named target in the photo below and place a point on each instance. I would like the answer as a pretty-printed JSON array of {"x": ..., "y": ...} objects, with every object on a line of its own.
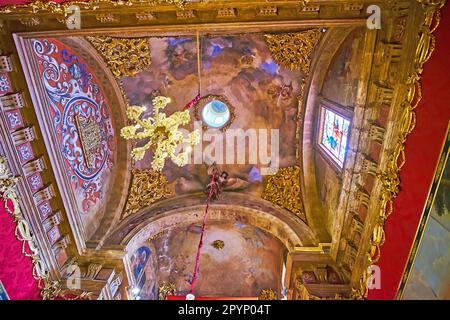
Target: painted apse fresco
[
  {"x": 80, "y": 118},
  {"x": 251, "y": 260},
  {"x": 341, "y": 82},
  {"x": 340, "y": 87},
  {"x": 429, "y": 277},
  {"x": 239, "y": 68}
]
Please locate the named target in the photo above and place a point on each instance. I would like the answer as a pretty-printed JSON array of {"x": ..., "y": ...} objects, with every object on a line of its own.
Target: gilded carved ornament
[
  {"x": 147, "y": 187},
  {"x": 125, "y": 57},
  {"x": 293, "y": 50},
  {"x": 267, "y": 294},
  {"x": 283, "y": 189},
  {"x": 218, "y": 244},
  {"x": 389, "y": 177},
  {"x": 166, "y": 289},
  {"x": 37, "y": 6}
]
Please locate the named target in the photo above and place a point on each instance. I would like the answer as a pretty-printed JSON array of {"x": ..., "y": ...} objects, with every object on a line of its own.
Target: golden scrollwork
[
  {"x": 293, "y": 50},
  {"x": 166, "y": 289},
  {"x": 39, "y": 6},
  {"x": 390, "y": 176},
  {"x": 30, "y": 22},
  {"x": 283, "y": 189},
  {"x": 267, "y": 294},
  {"x": 53, "y": 291},
  {"x": 147, "y": 186},
  {"x": 124, "y": 56}
]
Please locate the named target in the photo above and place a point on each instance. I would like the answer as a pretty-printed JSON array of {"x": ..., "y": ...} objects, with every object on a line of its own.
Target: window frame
[{"x": 344, "y": 112}]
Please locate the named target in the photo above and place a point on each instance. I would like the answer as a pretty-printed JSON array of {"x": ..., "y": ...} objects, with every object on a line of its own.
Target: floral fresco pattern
[{"x": 75, "y": 99}]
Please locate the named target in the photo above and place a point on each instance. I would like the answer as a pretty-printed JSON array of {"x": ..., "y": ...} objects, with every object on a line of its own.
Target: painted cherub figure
[{"x": 218, "y": 181}]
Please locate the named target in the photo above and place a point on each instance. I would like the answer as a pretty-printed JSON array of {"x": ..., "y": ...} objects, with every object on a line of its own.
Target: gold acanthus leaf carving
[
  {"x": 124, "y": 56},
  {"x": 283, "y": 189},
  {"x": 166, "y": 289},
  {"x": 267, "y": 294},
  {"x": 147, "y": 187},
  {"x": 293, "y": 50}
]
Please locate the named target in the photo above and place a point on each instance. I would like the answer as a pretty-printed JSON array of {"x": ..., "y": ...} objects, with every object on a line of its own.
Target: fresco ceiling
[
  {"x": 249, "y": 260},
  {"x": 264, "y": 98},
  {"x": 240, "y": 68},
  {"x": 306, "y": 109}
]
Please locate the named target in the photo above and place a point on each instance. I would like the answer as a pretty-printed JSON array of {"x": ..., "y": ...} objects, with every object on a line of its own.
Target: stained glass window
[{"x": 334, "y": 135}]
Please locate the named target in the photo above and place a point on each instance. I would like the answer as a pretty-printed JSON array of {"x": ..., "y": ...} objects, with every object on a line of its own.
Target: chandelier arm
[{"x": 144, "y": 124}]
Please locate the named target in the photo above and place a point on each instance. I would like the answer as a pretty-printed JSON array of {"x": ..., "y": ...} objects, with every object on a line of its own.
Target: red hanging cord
[
  {"x": 191, "y": 103},
  {"x": 205, "y": 215},
  {"x": 200, "y": 244}
]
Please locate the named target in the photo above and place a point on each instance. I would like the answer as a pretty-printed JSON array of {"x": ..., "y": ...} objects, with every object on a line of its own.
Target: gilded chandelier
[{"x": 162, "y": 132}]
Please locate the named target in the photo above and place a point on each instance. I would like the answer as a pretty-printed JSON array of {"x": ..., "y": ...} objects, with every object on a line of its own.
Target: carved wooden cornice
[
  {"x": 39, "y": 6},
  {"x": 124, "y": 56},
  {"x": 166, "y": 12}
]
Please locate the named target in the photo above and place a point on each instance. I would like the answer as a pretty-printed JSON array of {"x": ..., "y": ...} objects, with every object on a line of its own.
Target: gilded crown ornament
[{"x": 162, "y": 133}]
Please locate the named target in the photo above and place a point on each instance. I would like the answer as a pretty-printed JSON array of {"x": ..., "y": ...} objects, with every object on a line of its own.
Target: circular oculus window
[{"x": 216, "y": 114}]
